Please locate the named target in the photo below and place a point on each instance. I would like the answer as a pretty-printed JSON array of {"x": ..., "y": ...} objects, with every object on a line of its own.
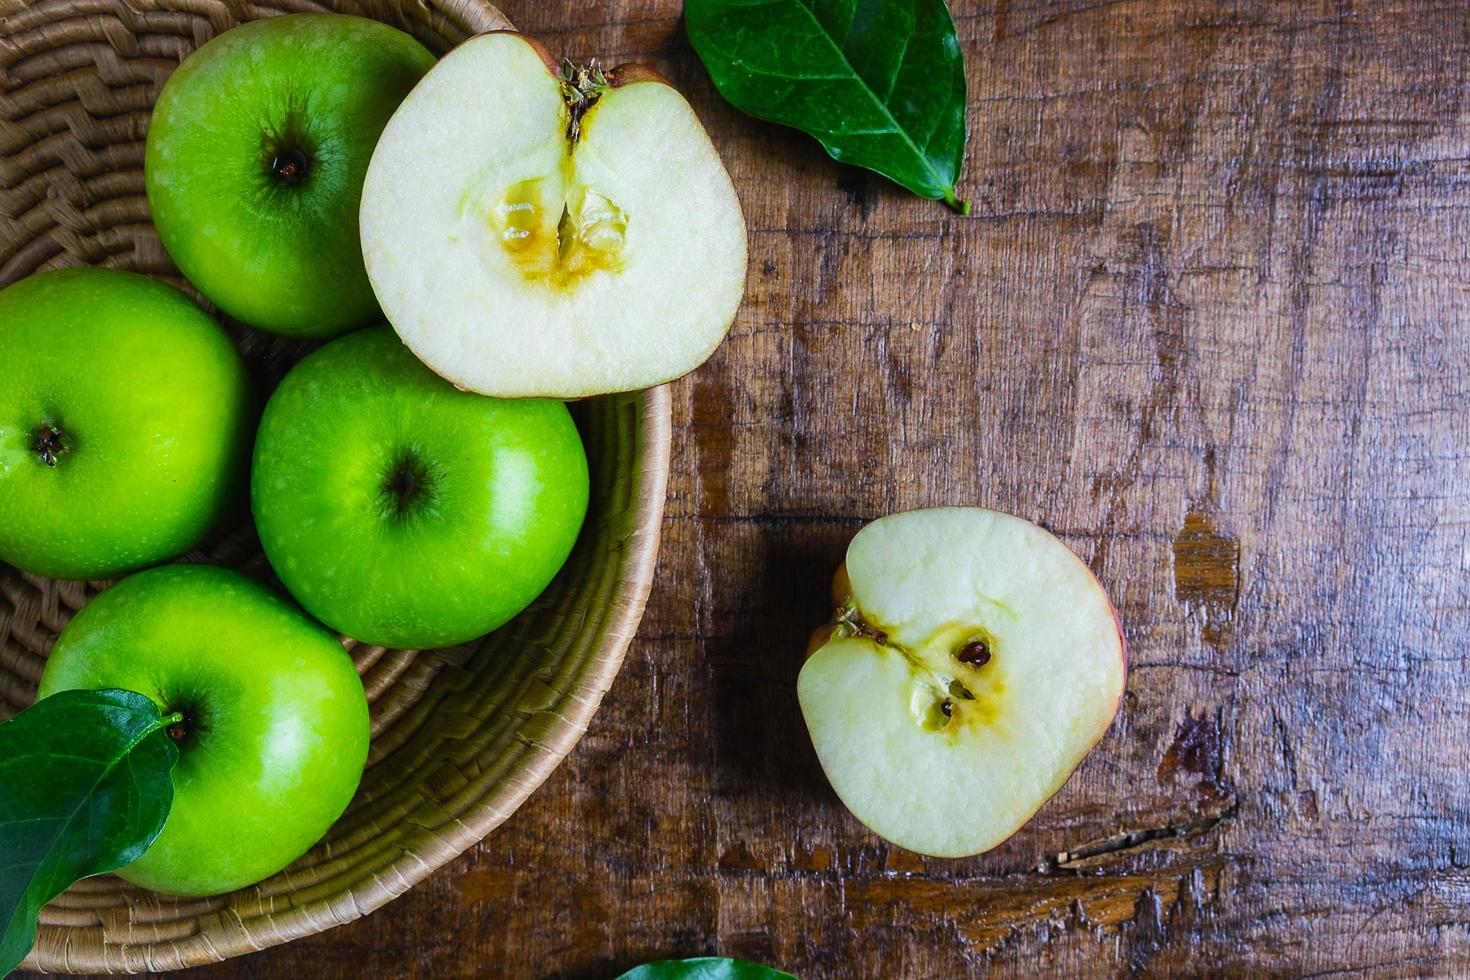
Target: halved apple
[
  {"x": 972, "y": 663},
  {"x": 535, "y": 231}
]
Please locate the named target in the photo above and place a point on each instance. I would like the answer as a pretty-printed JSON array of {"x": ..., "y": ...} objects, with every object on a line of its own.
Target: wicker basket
[{"x": 460, "y": 736}]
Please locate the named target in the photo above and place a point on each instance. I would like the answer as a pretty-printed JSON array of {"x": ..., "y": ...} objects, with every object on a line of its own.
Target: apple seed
[
  {"x": 976, "y": 653},
  {"x": 932, "y": 713}
]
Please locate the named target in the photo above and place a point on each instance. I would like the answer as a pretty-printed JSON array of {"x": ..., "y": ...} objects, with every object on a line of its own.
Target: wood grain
[{"x": 1205, "y": 324}]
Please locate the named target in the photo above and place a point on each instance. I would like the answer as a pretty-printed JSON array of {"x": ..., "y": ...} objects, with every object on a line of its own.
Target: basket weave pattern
[{"x": 460, "y": 736}]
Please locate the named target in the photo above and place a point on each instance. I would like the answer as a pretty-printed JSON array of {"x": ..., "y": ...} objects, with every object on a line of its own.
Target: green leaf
[
  {"x": 704, "y": 968},
  {"x": 85, "y": 786},
  {"x": 881, "y": 83}
]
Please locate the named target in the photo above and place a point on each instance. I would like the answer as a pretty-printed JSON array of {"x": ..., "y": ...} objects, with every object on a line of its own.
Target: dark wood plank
[{"x": 1206, "y": 324}]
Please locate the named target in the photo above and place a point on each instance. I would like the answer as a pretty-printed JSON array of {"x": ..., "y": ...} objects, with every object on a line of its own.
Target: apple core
[
  {"x": 945, "y": 673},
  {"x": 587, "y": 237}
]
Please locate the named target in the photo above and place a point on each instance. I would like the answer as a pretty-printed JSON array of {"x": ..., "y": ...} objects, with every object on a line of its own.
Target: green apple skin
[
  {"x": 153, "y": 412},
  {"x": 404, "y": 512},
  {"x": 275, "y": 729},
  {"x": 273, "y": 247}
]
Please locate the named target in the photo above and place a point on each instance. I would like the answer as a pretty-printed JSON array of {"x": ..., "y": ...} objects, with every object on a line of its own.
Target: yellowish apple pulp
[{"x": 559, "y": 239}]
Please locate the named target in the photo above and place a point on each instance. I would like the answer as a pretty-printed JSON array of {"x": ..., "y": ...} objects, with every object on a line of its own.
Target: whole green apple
[
  {"x": 256, "y": 155},
  {"x": 125, "y": 423},
  {"x": 403, "y": 511},
  {"x": 275, "y": 725}
]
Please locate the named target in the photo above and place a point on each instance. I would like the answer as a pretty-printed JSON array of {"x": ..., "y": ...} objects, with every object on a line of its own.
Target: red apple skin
[{"x": 631, "y": 74}]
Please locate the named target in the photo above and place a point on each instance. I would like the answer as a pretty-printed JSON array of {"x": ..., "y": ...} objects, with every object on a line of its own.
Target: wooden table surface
[{"x": 1204, "y": 324}]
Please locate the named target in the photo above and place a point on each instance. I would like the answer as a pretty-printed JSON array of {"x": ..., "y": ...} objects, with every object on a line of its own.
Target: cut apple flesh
[
  {"x": 535, "y": 233},
  {"x": 972, "y": 663}
]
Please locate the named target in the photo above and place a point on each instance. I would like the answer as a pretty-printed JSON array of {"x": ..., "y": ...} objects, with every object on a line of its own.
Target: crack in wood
[{"x": 1134, "y": 839}]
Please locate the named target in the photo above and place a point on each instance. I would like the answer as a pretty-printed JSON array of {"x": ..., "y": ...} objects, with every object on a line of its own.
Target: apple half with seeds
[
  {"x": 972, "y": 663},
  {"x": 535, "y": 231}
]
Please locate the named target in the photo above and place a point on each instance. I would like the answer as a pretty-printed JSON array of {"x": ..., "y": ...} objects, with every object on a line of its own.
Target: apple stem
[{"x": 173, "y": 725}]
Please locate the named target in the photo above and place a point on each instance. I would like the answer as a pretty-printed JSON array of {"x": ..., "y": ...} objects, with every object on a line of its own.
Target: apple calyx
[
  {"x": 946, "y": 666},
  {"x": 290, "y": 165},
  {"x": 48, "y": 444},
  {"x": 287, "y": 153},
  {"x": 408, "y": 481}
]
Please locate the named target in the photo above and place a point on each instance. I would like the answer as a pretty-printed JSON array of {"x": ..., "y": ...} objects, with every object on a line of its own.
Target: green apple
[
  {"x": 403, "y": 511},
  {"x": 256, "y": 156},
  {"x": 275, "y": 725},
  {"x": 125, "y": 423},
  {"x": 973, "y": 662}
]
